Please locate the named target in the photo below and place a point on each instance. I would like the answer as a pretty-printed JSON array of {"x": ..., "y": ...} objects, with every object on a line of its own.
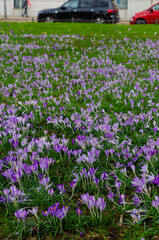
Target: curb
[
  {"x": 15, "y": 19},
  {"x": 34, "y": 19}
]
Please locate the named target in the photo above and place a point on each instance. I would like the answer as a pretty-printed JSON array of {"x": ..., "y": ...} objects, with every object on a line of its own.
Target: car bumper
[
  {"x": 40, "y": 17},
  {"x": 132, "y": 21}
]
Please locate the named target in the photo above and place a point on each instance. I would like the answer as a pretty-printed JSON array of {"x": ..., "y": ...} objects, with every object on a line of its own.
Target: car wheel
[
  {"x": 49, "y": 18},
  {"x": 99, "y": 19},
  {"x": 140, "y": 21}
]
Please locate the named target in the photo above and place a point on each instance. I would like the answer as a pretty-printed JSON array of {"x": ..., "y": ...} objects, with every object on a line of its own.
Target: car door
[
  {"x": 156, "y": 13},
  {"x": 66, "y": 10},
  {"x": 85, "y": 10},
  {"x": 153, "y": 14}
]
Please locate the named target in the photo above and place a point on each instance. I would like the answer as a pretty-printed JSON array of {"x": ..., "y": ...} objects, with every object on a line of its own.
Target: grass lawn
[{"x": 79, "y": 131}]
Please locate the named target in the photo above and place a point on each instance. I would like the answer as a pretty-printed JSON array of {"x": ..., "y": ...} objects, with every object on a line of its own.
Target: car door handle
[
  {"x": 92, "y": 10},
  {"x": 75, "y": 10}
]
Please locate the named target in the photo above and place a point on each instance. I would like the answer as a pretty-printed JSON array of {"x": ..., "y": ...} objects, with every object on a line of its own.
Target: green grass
[
  {"x": 85, "y": 29},
  {"x": 92, "y": 35}
]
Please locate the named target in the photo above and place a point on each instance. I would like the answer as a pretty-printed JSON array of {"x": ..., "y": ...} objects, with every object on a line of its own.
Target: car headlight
[{"x": 132, "y": 18}]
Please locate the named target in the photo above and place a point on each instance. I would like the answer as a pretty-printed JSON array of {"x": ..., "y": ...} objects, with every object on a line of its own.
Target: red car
[{"x": 149, "y": 16}]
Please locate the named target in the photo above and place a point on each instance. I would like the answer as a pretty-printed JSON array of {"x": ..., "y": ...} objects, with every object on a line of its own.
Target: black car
[{"x": 98, "y": 11}]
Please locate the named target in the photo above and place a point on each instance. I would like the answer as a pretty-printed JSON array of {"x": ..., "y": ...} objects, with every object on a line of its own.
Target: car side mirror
[
  {"x": 151, "y": 10},
  {"x": 63, "y": 8}
]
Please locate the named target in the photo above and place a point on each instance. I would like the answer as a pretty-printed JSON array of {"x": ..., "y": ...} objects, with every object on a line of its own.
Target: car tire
[
  {"x": 49, "y": 18},
  {"x": 99, "y": 19},
  {"x": 140, "y": 21}
]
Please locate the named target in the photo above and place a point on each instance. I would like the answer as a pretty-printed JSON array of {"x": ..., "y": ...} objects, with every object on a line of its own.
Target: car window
[
  {"x": 156, "y": 7},
  {"x": 87, "y": 3},
  {"x": 71, "y": 4},
  {"x": 103, "y": 3},
  {"x": 93, "y": 3}
]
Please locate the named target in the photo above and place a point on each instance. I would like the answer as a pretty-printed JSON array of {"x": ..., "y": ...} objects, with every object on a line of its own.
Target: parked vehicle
[
  {"x": 99, "y": 11},
  {"x": 149, "y": 16}
]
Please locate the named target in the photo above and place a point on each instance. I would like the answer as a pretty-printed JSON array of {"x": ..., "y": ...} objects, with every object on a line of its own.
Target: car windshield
[
  {"x": 71, "y": 4},
  {"x": 156, "y": 7}
]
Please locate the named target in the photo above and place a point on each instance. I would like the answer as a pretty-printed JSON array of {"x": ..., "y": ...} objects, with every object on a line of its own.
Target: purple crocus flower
[
  {"x": 101, "y": 204},
  {"x": 51, "y": 191},
  {"x": 136, "y": 200},
  {"x": 107, "y": 152},
  {"x": 144, "y": 168},
  {"x": 6, "y": 192},
  {"x": 40, "y": 176},
  {"x": 61, "y": 188},
  {"x": 58, "y": 148},
  {"x": 15, "y": 192},
  {"x": 73, "y": 184},
  {"x": 17, "y": 175},
  {"x": 43, "y": 164},
  {"x": 21, "y": 214},
  {"x": 91, "y": 202},
  {"x": 155, "y": 129},
  {"x": 156, "y": 180},
  {"x": 2, "y": 199},
  {"x": 8, "y": 173},
  {"x": 15, "y": 143},
  {"x": 85, "y": 198},
  {"x": 91, "y": 172},
  {"x": 61, "y": 213},
  {"x": 45, "y": 213},
  {"x": 90, "y": 159},
  {"x": 133, "y": 168},
  {"x": 79, "y": 212},
  {"x": 135, "y": 214},
  {"x": 65, "y": 209},
  {"x": 96, "y": 181},
  {"x": 83, "y": 173},
  {"x": 140, "y": 185},
  {"x": 117, "y": 184},
  {"x": 34, "y": 211},
  {"x": 110, "y": 196},
  {"x": 155, "y": 203},
  {"x": 52, "y": 209},
  {"x": 104, "y": 176},
  {"x": 45, "y": 182},
  {"x": 122, "y": 199},
  {"x": 111, "y": 151}
]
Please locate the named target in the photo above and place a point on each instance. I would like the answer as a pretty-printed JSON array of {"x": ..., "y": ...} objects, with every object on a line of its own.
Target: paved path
[
  {"x": 34, "y": 19},
  {"x": 18, "y": 19}
]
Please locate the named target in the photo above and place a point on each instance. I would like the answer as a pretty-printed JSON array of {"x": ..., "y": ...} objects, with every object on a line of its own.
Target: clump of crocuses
[
  {"x": 56, "y": 213},
  {"x": 96, "y": 207}
]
